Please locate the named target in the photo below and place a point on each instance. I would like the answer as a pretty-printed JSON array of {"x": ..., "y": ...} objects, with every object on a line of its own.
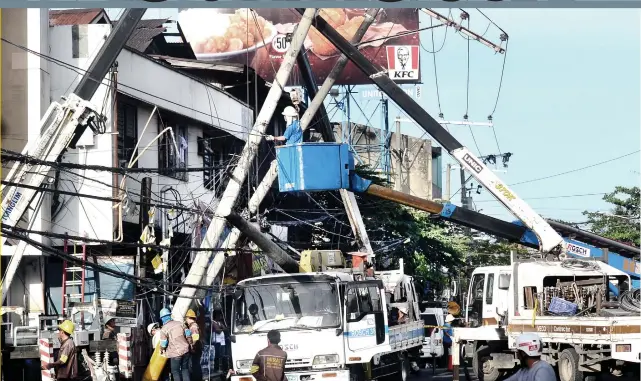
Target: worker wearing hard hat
[
  {"x": 294, "y": 133},
  {"x": 110, "y": 330},
  {"x": 154, "y": 332},
  {"x": 448, "y": 334},
  {"x": 66, "y": 366},
  {"x": 529, "y": 348},
  {"x": 174, "y": 346},
  {"x": 402, "y": 315},
  {"x": 196, "y": 347}
]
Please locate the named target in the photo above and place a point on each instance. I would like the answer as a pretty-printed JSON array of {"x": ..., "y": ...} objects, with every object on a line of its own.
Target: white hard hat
[
  {"x": 449, "y": 318},
  {"x": 530, "y": 343},
  {"x": 403, "y": 310},
  {"x": 290, "y": 111},
  {"x": 151, "y": 327}
]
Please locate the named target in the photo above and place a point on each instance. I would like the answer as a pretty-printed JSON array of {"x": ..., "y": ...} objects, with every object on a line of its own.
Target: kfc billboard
[{"x": 258, "y": 38}]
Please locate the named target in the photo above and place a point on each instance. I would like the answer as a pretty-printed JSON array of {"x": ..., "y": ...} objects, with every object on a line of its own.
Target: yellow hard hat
[
  {"x": 66, "y": 326},
  {"x": 190, "y": 314}
]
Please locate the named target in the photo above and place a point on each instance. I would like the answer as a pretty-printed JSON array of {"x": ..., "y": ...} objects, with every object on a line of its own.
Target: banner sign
[{"x": 261, "y": 37}]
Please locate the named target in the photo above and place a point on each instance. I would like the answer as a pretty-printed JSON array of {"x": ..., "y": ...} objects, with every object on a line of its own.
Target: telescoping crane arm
[
  {"x": 549, "y": 240},
  {"x": 61, "y": 127}
]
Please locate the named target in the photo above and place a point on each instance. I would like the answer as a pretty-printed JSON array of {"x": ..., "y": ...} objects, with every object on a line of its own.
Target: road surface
[{"x": 443, "y": 374}]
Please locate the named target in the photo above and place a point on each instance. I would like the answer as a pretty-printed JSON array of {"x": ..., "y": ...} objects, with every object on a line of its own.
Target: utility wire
[
  {"x": 575, "y": 170},
  {"x": 124, "y": 244}
]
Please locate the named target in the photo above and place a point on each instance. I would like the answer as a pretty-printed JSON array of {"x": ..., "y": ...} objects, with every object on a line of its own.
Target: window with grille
[
  {"x": 127, "y": 132},
  {"x": 173, "y": 153},
  {"x": 217, "y": 157}
]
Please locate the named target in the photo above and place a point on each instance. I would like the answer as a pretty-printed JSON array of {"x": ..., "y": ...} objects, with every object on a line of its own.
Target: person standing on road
[
  {"x": 175, "y": 346},
  {"x": 447, "y": 336},
  {"x": 220, "y": 348},
  {"x": 154, "y": 332},
  {"x": 529, "y": 348},
  {"x": 196, "y": 347},
  {"x": 269, "y": 363},
  {"x": 67, "y": 365}
]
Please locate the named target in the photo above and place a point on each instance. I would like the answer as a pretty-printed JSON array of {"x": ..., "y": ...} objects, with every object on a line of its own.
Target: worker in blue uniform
[{"x": 294, "y": 133}]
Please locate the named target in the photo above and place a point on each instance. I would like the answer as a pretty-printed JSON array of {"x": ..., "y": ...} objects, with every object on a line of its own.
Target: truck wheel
[
  {"x": 482, "y": 365},
  {"x": 569, "y": 366}
]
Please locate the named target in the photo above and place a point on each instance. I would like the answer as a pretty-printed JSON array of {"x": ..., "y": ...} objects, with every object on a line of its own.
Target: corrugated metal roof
[
  {"x": 75, "y": 16},
  {"x": 145, "y": 32}
]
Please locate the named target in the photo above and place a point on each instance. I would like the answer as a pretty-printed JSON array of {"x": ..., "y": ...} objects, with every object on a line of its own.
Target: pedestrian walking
[
  {"x": 66, "y": 367},
  {"x": 269, "y": 363},
  {"x": 196, "y": 347},
  {"x": 175, "y": 346},
  {"x": 529, "y": 348}
]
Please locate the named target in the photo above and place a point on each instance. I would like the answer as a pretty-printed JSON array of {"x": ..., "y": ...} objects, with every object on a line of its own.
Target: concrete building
[
  {"x": 43, "y": 59},
  {"x": 414, "y": 165}
]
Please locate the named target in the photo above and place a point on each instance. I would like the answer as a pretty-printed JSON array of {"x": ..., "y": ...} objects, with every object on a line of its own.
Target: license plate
[{"x": 292, "y": 377}]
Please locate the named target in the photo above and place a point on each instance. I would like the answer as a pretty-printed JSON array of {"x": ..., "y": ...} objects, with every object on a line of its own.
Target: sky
[{"x": 570, "y": 98}]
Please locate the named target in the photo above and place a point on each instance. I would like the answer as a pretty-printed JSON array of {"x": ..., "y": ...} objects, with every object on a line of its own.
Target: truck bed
[{"x": 405, "y": 336}]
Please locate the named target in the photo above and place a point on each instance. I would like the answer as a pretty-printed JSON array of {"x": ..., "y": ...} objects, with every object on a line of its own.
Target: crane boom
[
  {"x": 61, "y": 126},
  {"x": 549, "y": 240}
]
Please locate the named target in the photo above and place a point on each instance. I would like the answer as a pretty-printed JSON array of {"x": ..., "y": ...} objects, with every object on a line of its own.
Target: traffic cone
[{"x": 450, "y": 367}]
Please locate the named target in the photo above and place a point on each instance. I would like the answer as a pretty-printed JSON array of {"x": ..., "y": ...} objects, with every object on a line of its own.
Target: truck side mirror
[{"x": 504, "y": 281}]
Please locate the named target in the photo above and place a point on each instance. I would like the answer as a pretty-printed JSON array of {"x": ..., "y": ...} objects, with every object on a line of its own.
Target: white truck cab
[{"x": 333, "y": 324}]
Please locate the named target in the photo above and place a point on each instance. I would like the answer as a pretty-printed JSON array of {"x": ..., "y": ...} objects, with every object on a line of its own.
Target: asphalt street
[{"x": 442, "y": 374}]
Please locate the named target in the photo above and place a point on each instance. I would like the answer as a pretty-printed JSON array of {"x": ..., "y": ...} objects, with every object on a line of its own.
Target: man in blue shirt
[
  {"x": 294, "y": 133},
  {"x": 447, "y": 336}
]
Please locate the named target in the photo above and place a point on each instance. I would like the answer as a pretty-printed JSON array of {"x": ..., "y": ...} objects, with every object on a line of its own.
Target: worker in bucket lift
[
  {"x": 294, "y": 133},
  {"x": 66, "y": 366},
  {"x": 174, "y": 344},
  {"x": 196, "y": 347},
  {"x": 529, "y": 348}
]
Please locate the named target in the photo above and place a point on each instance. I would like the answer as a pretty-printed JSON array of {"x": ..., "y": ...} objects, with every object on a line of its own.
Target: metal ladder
[{"x": 74, "y": 279}]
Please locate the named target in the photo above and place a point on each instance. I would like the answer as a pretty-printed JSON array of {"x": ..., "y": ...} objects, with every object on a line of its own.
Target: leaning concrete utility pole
[
  {"x": 232, "y": 191},
  {"x": 271, "y": 176}
]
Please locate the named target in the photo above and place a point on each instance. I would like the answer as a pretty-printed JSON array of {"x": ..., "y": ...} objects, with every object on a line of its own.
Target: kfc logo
[{"x": 403, "y": 62}]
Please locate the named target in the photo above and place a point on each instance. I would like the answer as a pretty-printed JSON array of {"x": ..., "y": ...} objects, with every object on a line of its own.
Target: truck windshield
[{"x": 287, "y": 306}]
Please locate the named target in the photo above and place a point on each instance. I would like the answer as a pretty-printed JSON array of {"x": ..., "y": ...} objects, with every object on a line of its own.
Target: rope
[{"x": 579, "y": 264}]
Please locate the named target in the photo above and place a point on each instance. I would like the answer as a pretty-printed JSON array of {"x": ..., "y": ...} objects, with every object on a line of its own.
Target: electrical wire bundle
[{"x": 630, "y": 301}]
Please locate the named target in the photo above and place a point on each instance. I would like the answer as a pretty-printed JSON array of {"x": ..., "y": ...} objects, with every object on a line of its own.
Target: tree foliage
[{"x": 622, "y": 222}]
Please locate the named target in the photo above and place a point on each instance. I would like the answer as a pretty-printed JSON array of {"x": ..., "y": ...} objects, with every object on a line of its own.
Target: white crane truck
[
  {"x": 571, "y": 304},
  {"x": 334, "y": 323}
]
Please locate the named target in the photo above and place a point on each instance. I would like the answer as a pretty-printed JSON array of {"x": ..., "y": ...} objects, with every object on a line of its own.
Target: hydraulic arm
[{"x": 61, "y": 127}]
